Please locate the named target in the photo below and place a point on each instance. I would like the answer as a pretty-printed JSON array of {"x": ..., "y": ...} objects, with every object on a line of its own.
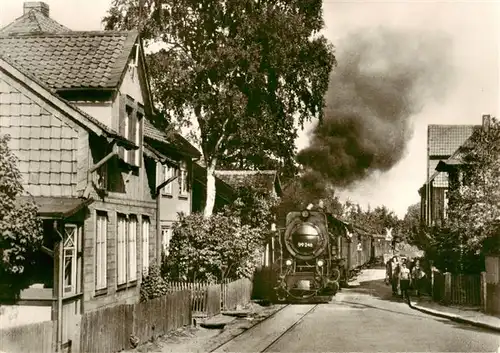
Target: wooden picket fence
[
  {"x": 208, "y": 299},
  {"x": 111, "y": 329},
  {"x": 205, "y": 297},
  {"x": 466, "y": 290},
  {"x": 31, "y": 338},
  {"x": 457, "y": 289},
  {"x": 236, "y": 293}
]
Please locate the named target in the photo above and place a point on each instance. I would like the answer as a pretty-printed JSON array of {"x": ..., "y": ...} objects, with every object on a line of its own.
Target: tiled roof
[
  {"x": 443, "y": 140},
  {"x": 240, "y": 178},
  {"x": 72, "y": 59},
  {"x": 150, "y": 131},
  {"x": 33, "y": 22},
  {"x": 7, "y": 64}
]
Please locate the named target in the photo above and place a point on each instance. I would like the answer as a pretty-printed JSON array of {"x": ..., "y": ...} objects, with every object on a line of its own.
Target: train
[{"x": 313, "y": 255}]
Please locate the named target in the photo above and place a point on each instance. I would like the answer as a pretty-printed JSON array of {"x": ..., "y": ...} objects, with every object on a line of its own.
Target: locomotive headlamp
[
  {"x": 288, "y": 262},
  {"x": 305, "y": 214},
  {"x": 320, "y": 263}
]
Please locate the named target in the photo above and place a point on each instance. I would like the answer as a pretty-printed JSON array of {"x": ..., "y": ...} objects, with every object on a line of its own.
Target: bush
[
  {"x": 153, "y": 285},
  {"x": 21, "y": 232},
  {"x": 213, "y": 248}
]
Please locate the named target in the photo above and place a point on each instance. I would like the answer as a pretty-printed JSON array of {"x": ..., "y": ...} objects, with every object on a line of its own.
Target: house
[
  {"x": 453, "y": 165},
  {"x": 227, "y": 183},
  {"x": 177, "y": 196},
  {"x": 225, "y": 193},
  {"x": 78, "y": 108},
  {"x": 442, "y": 142},
  {"x": 267, "y": 181}
]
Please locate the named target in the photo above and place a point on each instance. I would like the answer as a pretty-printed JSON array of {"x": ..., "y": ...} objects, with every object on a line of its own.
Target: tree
[
  {"x": 207, "y": 249},
  {"x": 242, "y": 72},
  {"x": 474, "y": 196},
  {"x": 411, "y": 226},
  {"x": 20, "y": 229}
]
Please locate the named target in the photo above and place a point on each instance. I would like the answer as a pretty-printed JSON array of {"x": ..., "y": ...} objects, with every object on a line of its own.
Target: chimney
[
  {"x": 486, "y": 122},
  {"x": 37, "y": 6}
]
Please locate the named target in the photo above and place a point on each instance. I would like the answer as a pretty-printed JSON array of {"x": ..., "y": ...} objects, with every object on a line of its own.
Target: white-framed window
[
  {"x": 183, "y": 180},
  {"x": 101, "y": 250},
  {"x": 70, "y": 258},
  {"x": 126, "y": 249},
  {"x": 132, "y": 248},
  {"x": 121, "y": 250},
  {"x": 166, "y": 235},
  {"x": 168, "y": 172},
  {"x": 145, "y": 244},
  {"x": 127, "y": 118}
]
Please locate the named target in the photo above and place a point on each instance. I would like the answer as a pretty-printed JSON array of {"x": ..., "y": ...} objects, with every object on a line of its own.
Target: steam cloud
[{"x": 383, "y": 78}]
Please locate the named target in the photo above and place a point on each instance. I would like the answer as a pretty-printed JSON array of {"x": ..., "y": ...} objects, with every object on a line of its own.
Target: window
[
  {"x": 101, "y": 258},
  {"x": 126, "y": 125},
  {"x": 132, "y": 249},
  {"x": 183, "y": 182},
  {"x": 70, "y": 254},
  {"x": 166, "y": 234},
  {"x": 168, "y": 172},
  {"x": 126, "y": 249},
  {"x": 121, "y": 250},
  {"x": 145, "y": 244}
]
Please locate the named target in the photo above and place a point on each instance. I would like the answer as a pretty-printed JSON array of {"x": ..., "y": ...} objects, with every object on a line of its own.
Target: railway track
[{"x": 263, "y": 335}]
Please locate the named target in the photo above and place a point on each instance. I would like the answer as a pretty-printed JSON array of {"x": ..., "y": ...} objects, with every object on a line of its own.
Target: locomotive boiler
[{"x": 306, "y": 261}]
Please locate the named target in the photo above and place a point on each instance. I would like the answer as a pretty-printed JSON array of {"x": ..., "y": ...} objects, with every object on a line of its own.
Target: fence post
[
  {"x": 483, "y": 292},
  {"x": 447, "y": 288}
]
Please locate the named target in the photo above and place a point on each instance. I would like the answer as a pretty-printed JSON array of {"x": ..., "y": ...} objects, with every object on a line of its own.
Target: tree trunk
[{"x": 210, "y": 196}]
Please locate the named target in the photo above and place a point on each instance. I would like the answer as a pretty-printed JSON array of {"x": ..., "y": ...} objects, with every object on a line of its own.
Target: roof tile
[
  {"x": 240, "y": 178},
  {"x": 69, "y": 60},
  {"x": 443, "y": 140},
  {"x": 31, "y": 22}
]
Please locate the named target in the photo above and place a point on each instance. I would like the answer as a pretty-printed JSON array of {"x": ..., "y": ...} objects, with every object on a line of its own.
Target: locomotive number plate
[{"x": 305, "y": 245}]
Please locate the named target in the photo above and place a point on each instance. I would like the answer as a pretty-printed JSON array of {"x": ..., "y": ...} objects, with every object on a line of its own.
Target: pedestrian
[
  {"x": 404, "y": 281},
  {"x": 394, "y": 266},
  {"x": 417, "y": 276}
]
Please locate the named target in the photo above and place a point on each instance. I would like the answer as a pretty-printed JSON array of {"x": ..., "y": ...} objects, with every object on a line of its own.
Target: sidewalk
[{"x": 470, "y": 315}]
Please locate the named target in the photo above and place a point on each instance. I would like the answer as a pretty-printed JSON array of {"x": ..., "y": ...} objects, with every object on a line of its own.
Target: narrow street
[{"x": 361, "y": 319}]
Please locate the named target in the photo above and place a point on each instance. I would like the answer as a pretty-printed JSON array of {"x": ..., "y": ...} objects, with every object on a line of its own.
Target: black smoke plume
[{"x": 383, "y": 78}]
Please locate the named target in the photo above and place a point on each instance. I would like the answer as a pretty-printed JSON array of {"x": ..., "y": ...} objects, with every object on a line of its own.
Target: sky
[{"x": 471, "y": 26}]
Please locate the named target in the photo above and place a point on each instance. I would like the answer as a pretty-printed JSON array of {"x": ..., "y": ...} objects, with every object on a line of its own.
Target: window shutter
[{"x": 122, "y": 112}]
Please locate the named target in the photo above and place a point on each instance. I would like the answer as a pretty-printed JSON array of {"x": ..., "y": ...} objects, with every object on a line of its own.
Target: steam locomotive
[{"x": 306, "y": 257}]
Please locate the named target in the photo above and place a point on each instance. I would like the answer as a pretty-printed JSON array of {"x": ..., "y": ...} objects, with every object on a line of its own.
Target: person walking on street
[
  {"x": 394, "y": 278},
  {"x": 404, "y": 281},
  {"x": 417, "y": 276}
]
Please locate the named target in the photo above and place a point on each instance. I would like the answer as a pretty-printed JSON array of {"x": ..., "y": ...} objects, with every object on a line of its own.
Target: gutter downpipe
[{"x": 59, "y": 289}]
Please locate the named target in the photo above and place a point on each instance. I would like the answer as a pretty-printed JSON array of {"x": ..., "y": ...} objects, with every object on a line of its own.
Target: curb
[{"x": 454, "y": 318}]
